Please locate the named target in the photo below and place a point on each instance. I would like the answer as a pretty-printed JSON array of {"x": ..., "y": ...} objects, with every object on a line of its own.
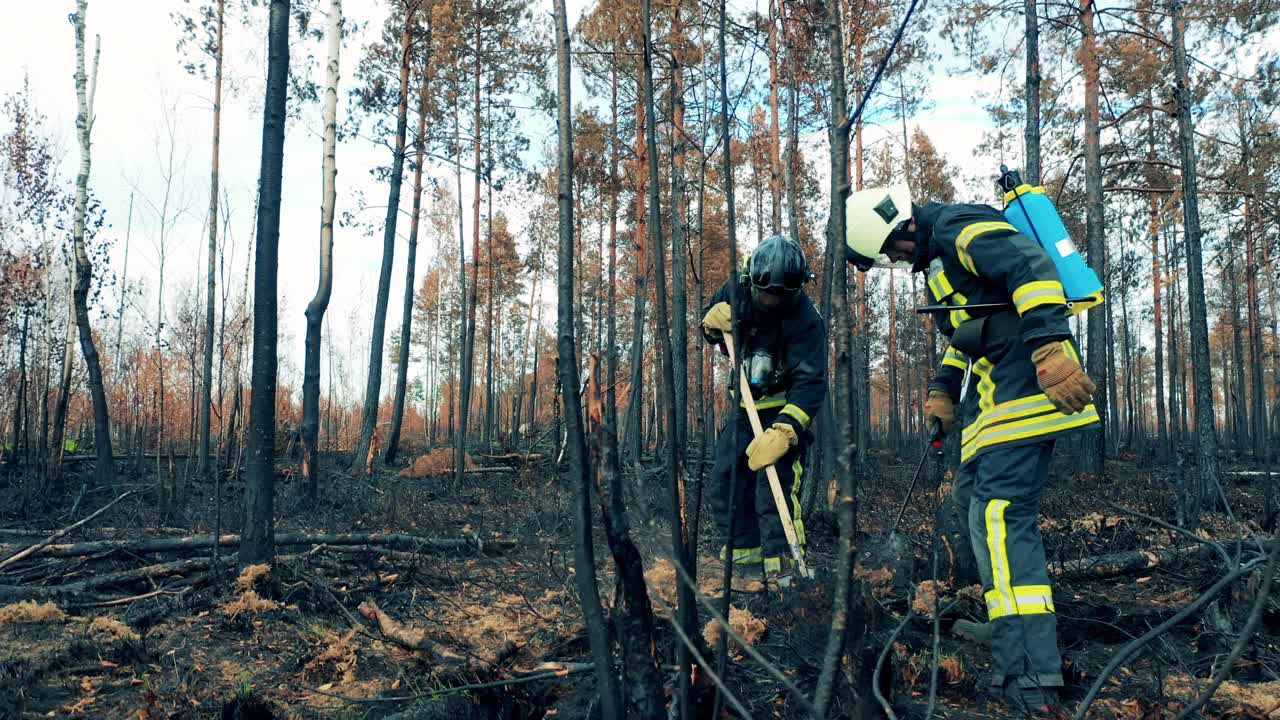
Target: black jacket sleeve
[{"x": 804, "y": 367}]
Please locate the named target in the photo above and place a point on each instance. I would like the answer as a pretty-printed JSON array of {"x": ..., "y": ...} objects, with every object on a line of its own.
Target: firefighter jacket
[
  {"x": 796, "y": 338},
  {"x": 975, "y": 257}
]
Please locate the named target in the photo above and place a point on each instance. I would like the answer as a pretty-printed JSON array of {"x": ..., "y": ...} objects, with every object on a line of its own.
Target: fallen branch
[
  {"x": 49, "y": 540},
  {"x": 179, "y": 567},
  {"x": 1122, "y": 563},
  {"x": 408, "y": 637},
  {"x": 546, "y": 671},
  {"x": 196, "y": 542}
]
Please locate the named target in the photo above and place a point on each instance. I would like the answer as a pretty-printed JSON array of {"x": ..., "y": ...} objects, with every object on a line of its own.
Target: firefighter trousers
[
  {"x": 1001, "y": 489},
  {"x": 757, "y": 529}
]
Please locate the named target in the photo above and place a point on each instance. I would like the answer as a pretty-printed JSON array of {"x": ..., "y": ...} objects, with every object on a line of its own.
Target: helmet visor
[{"x": 777, "y": 280}]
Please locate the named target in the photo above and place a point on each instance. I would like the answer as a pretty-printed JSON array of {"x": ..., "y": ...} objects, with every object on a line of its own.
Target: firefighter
[
  {"x": 782, "y": 343},
  {"x": 1025, "y": 388}
]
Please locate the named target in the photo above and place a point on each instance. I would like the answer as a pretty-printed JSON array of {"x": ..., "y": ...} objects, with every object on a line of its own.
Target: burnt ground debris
[{"x": 495, "y": 631}]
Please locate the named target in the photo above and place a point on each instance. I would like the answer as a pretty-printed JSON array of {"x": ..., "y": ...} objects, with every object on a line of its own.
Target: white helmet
[{"x": 870, "y": 216}]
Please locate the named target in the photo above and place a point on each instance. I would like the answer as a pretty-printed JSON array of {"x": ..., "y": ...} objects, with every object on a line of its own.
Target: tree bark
[
  {"x": 1206, "y": 436},
  {"x": 1031, "y": 138},
  {"x": 1095, "y": 240},
  {"x": 1153, "y": 228},
  {"x": 635, "y": 397},
  {"x": 846, "y": 501},
  {"x": 105, "y": 470},
  {"x": 775, "y": 162},
  {"x": 373, "y": 385},
  {"x": 204, "y": 465},
  {"x": 674, "y": 456},
  {"x": 19, "y": 411},
  {"x": 579, "y": 472},
  {"x": 469, "y": 343},
  {"x": 320, "y": 302},
  {"x": 258, "y": 544},
  {"x": 679, "y": 258},
  {"x": 406, "y": 322}
]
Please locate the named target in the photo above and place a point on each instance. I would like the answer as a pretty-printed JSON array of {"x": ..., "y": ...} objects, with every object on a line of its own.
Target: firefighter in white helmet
[{"x": 1026, "y": 389}]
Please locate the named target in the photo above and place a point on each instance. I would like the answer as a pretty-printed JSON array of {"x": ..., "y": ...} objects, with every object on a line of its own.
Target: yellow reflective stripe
[
  {"x": 797, "y": 471},
  {"x": 939, "y": 285},
  {"x": 1036, "y": 293},
  {"x": 800, "y": 415},
  {"x": 959, "y": 316},
  {"x": 769, "y": 401},
  {"x": 972, "y": 231},
  {"x": 743, "y": 555},
  {"x": 1033, "y": 599},
  {"x": 955, "y": 358},
  {"x": 1029, "y": 428},
  {"x": 1009, "y": 410},
  {"x": 1028, "y": 600},
  {"x": 997, "y": 533},
  {"x": 935, "y": 288},
  {"x": 986, "y": 386},
  {"x": 995, "y": 609}
]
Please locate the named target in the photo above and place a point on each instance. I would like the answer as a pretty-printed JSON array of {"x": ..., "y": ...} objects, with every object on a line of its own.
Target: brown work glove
[
  {"x": 1062, "y": 379},
  {"x": 771, "y": 445},
  {"x": 939, "y": 406},
  {"x": 717, "y": 322}
]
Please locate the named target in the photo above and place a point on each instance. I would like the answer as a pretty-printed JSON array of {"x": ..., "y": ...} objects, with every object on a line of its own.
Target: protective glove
[
  {"x": 1062, "y": 379},
  {"x": 717, "y": 322},
  {"x": 771, "y": 446},
  {"x": 939, "y": 406}
]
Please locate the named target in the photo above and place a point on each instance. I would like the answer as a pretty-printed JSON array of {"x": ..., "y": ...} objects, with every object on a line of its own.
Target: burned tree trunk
[
  {"x": 674, "y": 454},
  {"x": 579, "y": 472},
  {"x": 1206, "y": 435},
  {"x": 373, "y": 387},
  {"x": 258, "y": 545},
  {"x": 105, "y": 470},
  {"x": 204, "y": 465},
  {"x": 406, "y": 322},
  {"x": 320, "y": 303},
  {"x": 1095, "y": 242}
]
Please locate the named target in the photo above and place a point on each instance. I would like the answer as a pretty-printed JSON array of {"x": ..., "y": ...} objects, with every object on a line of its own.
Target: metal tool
[{"x": 934, "y": 447}]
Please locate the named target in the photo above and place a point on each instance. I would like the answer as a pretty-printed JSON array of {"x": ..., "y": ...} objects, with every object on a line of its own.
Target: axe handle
[{"x": 775, "y": 485}]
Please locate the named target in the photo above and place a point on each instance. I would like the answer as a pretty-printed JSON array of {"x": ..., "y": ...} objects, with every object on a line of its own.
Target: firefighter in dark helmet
[
  {"x": 1025, "y": 389},
  {"x": 782, "y": 343}
]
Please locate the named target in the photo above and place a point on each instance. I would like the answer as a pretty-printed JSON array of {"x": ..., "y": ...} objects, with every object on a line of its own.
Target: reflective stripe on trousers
[{"x": 1002, "y": 489}]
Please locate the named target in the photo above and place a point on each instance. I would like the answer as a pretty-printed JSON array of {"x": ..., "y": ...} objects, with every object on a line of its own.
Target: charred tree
[
  {"x": 204, "y": 466},
  {"x": 258, "y": 544},
  {"x": 320, "y": 302},
  {"x": 576, "y": 446},
  {"x": 373, "y": 386},
  {"x": 1206, "y": 434},
  {"x": 105, "y": 466},
  {"x": 673, "y": 457},
  {"x": 1095, "y": 240},
  {"x": 406, "y": 323}
]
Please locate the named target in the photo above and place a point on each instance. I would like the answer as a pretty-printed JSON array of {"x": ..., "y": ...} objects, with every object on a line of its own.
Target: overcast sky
[{"x": 141, "y": 79}]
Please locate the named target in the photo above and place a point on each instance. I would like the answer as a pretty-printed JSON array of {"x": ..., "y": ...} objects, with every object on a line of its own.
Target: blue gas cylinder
[{"x": 1031, "y": 211}]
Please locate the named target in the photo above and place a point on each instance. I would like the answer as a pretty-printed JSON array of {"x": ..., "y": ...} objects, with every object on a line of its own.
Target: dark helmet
[{"x": 778, "y": 266}]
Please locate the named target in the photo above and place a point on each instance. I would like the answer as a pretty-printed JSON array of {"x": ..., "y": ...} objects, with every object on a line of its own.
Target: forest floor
[{"x": 313, "y": 638}]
